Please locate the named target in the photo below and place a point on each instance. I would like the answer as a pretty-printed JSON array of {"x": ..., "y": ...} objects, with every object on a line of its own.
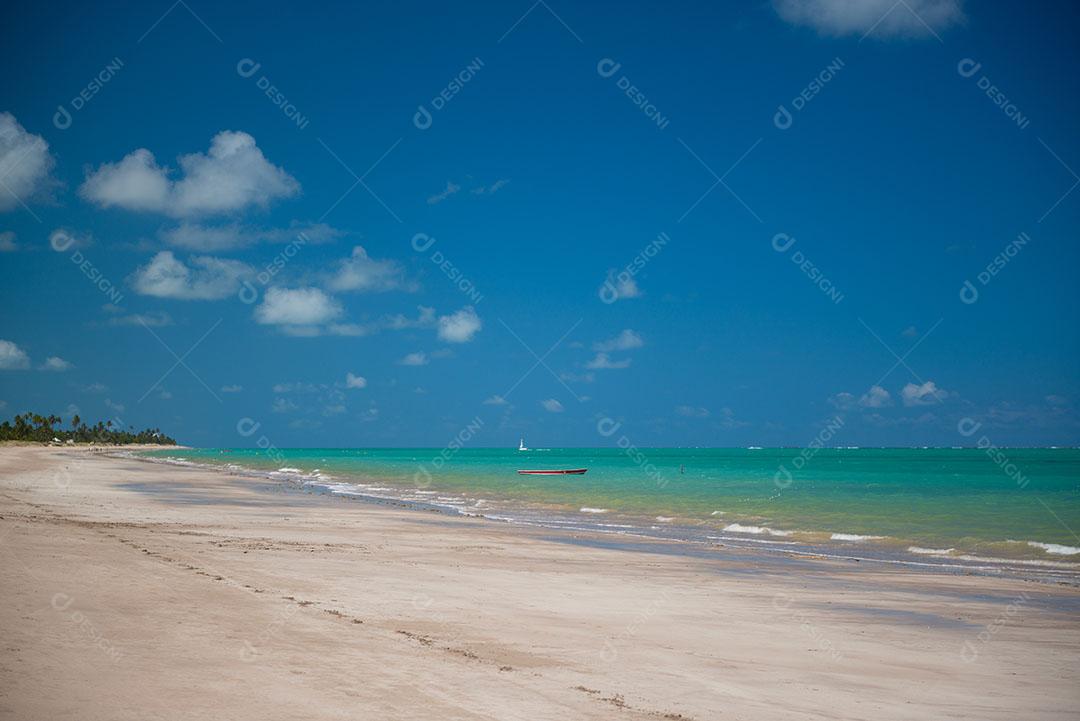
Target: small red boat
[{"x": 572, "y": 472}]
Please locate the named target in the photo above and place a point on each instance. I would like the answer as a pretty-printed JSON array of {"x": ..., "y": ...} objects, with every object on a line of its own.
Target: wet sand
[{"x": 138, "y": 590}]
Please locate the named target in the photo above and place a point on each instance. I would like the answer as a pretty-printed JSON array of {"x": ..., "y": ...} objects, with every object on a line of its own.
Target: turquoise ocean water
[{"x": 948, "y": 506}]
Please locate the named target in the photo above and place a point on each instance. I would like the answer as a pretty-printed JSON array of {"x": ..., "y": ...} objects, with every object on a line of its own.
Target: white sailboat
[{"x": 521, "y": 446}]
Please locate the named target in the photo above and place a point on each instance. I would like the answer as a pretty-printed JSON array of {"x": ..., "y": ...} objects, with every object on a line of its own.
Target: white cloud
[
  {"x": 844, "y": 401},
  {"x": 878, "y": 18},
  {"x": 922, "y": 395},
  {"x": 25, "y": 164},
  {"x": 96, "y": 388},
  {"x": 354, "y": 381},
  {"x": 298, "y": 387},
  {"x": 726, "y": 419},
  {"x": 54, "y": 363},
  {"x": 233, "y": 175},
  {"x": 415, "y": 359},
  {"x": 135, "y": 183},
  {"x": 297, "y": 307},
  {"x": 206, "y": 239},
  {"x": 495, "y": 401},
  {"x": 603, "y": 362},
  {"x": 12, "y": 357},
  {"x": 115, "y": 407},
  {"x": 425, "y": 318},
  {"x": 876, "y": 397},
  {"x": 217, "y": 238},
  {"x": 302, "y": 331},
  {"x": 361, "y": 272},
  {"x": 355, "y": 330},
  {"x": 206, "y": 279},
  {"x": 627, "y": 340},
  {"x": 576, "y": 378},
  {"x": 552, "y": 406},
  {"x": 7, "y": 242},
  {"x": 491, "y": 189},
  {"x": 370, "y": 415},
  {"x": 451, "y": 188},
  {"x": 283, "y": 405},
  {"x": 232, "y": 389},
  {"x": 618, "y": 288},
  {"x": 692, "y": 411},
  {"x": 459, "y": 327}
]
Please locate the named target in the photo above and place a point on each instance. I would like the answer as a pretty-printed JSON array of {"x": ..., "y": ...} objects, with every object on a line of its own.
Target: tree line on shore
[{"x": 44, "y": 429}]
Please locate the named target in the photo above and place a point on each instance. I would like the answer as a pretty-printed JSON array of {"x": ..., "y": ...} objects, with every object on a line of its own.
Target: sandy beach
[{"x": 146, "y": 591}]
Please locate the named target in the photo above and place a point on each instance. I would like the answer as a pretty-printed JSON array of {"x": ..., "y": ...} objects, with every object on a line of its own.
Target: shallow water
[{"x": 926, "y": 505}]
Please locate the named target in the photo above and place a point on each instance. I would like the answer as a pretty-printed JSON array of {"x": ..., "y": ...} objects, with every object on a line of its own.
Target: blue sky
[{"x": 718, "y": 226}]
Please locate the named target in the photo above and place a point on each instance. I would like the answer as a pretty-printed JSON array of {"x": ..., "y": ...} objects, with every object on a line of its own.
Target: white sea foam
[
  {"x": 739, "y": 528},
  {"x": 586, "y": 509},
  {"x": 853, "y": 537},
  {"x": 930, "y": 551},
  {"x": 665, "y": 519},
  {"x": 753, "y": 540},
  {"x": 289, "y": 470},
  {"x": 717, "y": 513},
  {"x": 1055, "y": 548},
  {"x": 1015, "y": 561}
]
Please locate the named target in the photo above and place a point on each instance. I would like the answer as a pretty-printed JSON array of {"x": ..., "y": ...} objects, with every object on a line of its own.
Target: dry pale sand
[{"x": 144, "y": 591}]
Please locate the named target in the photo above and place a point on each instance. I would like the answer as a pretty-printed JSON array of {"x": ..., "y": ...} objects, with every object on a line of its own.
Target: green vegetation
[{"x": 43, "y": 429}]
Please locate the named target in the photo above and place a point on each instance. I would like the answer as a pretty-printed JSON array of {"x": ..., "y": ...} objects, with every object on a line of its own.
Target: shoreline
[
  {"x": 808, "y": 544},
  {"x": 124, "y": 584}
]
